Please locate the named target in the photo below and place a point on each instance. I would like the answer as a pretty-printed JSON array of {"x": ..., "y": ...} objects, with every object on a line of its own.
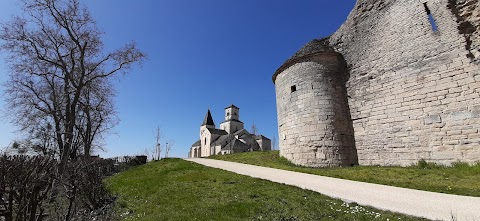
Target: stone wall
[
  {"x": 467, "y": 13},
  {"x": 264, "y": 143},
  {"x": 414, "y": 93},
  {"x": 314, "y": 122}
]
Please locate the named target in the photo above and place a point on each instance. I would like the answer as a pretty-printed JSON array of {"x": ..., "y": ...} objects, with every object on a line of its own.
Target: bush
[
  {"x": 32, "y": 188},
  {"x": 422, "y": 164},
  {"x": 25, "y": 183},
  {"x": 461, "y": 165},
  {"x": 126, "y": 162}
]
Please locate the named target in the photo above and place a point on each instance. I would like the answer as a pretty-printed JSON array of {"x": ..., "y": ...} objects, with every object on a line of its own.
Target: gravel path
[{"x": 435, "y": 206}]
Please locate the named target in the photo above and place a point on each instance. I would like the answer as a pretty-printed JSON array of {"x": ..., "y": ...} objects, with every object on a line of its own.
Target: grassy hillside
[
  {"x": 174, "y": 189},
  {"x": 459, "y": 179}
]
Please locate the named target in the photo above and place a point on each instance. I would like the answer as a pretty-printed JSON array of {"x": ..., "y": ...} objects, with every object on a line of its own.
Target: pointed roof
[
  {"x": 208, "y": 119},
  {"x": 233, "y": 106}
]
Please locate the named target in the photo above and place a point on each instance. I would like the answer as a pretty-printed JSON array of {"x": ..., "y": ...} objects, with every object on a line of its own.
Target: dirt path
[{"x": 435, "y": 206}]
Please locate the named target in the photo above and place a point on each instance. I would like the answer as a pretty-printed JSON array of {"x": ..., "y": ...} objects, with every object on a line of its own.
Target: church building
[{"x": 232, "y": 137}]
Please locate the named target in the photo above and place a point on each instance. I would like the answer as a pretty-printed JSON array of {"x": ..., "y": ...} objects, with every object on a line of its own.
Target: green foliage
[
  {"x": 174, "y": 189},
  {"x": 422, "y": 164},
  {"x": 460, "y": 178}
]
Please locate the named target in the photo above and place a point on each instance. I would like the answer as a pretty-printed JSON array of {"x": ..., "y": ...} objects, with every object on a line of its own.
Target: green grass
[
  {"x": 460, "y": 179},
  {"x": 174, "y": 189}
]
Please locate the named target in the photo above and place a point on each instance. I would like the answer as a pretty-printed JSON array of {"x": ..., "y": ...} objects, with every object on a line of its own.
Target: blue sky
[{"x": 201, "y": 54}]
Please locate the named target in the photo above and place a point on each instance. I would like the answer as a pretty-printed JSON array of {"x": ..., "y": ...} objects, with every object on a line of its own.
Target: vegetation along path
[
  {"x": 175, "y": 189},
  {"x": 436, "y": 206}
]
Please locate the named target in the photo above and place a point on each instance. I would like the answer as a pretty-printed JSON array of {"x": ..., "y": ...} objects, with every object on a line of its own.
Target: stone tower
[
  {"x": 413, "y": 87},
  {"x": 232, "y": 121},
  {"x": 315, "y": 127}
]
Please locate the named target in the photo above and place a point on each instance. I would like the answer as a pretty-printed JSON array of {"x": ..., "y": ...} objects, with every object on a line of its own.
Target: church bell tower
[{"x": 232, "y": 121}]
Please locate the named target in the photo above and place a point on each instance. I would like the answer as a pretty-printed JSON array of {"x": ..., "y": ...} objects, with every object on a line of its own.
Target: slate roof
[
  {"x": 229, "y": 137},
  {"x": 223, "y": 139},
  {"x": 236, "y": 145},
  {"x": 232, "y": 106},
  {"x": 245, "y": 131},
  {"x": 208, "y": 119},
  {"x": 258, "y": 137},
  {"x": 217, "y": 131},
  {"x": 232, "y": 120},
  {"x": 196, "y": 144}
]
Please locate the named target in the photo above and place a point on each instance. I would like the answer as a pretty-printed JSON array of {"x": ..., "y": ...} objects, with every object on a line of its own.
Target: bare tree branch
[{"x": 59, "y": 76}]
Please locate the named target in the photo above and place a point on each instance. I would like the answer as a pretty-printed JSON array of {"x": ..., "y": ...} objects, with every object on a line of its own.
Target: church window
[
  {"x": 235, "y": 113},
  {"x": 430, "y": 17},
  {"x": 293, "y": 88},
  {"x": 228, "y": 114}
]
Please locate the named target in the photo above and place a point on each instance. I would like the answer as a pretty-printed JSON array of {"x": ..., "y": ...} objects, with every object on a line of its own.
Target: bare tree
[
  {"x": 59, "y": 73},
  {"x": 158, "y": 148},
  {"x": 168, "y": 146},
  {"x": 97, "y": 114},
  {"x": 254, "y": 128}
]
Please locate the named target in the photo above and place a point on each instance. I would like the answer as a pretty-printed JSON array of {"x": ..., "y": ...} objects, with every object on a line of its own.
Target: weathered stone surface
[
  {"x": 413, "y": 91},
  {"x": 314, "y": 119},
  {"x": 435, "y": 118}
]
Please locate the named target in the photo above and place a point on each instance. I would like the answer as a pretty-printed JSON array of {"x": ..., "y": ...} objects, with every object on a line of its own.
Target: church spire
[{"x": 208, "y": 119}]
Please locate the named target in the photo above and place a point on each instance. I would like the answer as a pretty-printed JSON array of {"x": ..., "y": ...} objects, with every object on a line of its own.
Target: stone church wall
[{"x": 413, "y": 92}]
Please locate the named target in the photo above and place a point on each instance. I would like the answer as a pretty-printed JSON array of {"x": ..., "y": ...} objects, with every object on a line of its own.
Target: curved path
[{"x": 435, "y": 206}]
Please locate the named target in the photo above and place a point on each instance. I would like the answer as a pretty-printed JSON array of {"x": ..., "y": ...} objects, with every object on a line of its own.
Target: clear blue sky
[{"x": 200, "y": 54}]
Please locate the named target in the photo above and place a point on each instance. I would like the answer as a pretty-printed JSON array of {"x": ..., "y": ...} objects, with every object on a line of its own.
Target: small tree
[
  {"x": 254, "y": 128},
  {"x": 158, "y": 148},
  {"x": 168, "y": 146}
]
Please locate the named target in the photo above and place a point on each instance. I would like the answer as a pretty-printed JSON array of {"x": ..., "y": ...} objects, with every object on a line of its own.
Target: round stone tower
[{"x": 314, "y": 123}]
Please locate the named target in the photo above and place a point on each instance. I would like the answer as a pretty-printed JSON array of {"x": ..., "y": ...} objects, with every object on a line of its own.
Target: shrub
[
  {"x": 31, "y": 188},
  {"x": 25, "y": 183},
  {"x": 461, "y": 165},
  {"x": 422, "y": 164}
]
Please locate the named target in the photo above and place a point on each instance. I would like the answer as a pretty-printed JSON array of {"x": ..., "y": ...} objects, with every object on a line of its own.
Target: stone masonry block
[{"x": 435, "y": 118}]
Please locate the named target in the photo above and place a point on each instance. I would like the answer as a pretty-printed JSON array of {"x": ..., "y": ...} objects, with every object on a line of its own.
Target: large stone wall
[{"x": 414, "y": 93}]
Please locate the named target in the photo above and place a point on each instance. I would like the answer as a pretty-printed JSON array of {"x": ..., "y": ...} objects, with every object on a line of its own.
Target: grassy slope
[
  {"x": 461, "y": 179},
  {"x": 173, "y": 189}
]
